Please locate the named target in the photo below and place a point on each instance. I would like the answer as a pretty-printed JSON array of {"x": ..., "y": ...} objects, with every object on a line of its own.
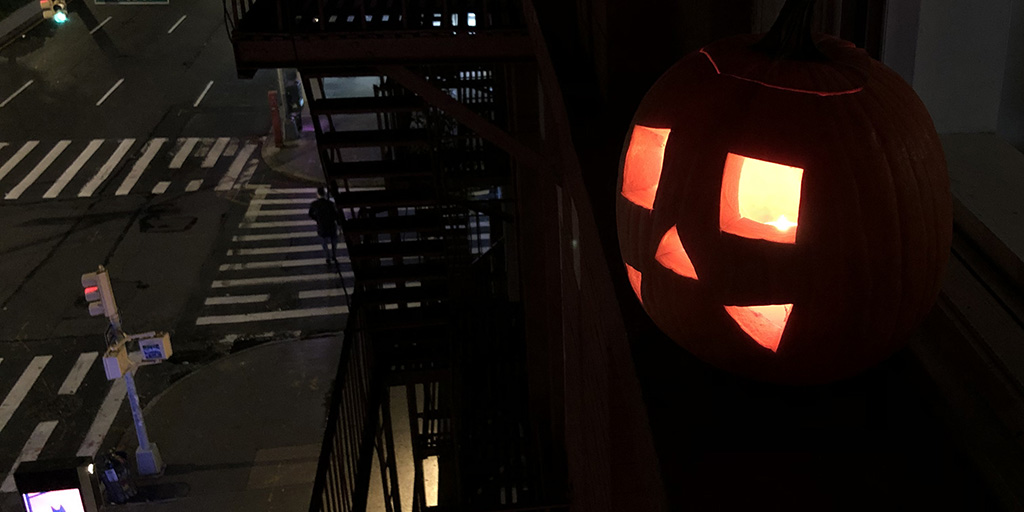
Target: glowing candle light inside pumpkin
[
  {"x": 782, "y": 223},
  {"x": 760, "y": 199}
]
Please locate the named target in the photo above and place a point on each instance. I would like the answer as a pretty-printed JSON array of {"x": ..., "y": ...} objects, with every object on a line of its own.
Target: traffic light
[
  {"x": 54, "y": 9},
  {"x": 60, "y": 11},
  {"x": 99, "y": 294}
]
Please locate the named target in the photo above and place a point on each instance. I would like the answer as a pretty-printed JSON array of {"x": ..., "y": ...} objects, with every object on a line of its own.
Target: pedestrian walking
[{"x": 322, "y": 210}]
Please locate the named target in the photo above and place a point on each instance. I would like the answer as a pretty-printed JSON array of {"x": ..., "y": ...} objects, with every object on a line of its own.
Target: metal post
[
  {"x": 147, "y": 456},
  {"x": 275, "y": 118},
  {"x": 282, "y": 112}
]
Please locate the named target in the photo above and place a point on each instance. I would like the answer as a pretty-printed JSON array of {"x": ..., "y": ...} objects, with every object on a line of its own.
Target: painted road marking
[
  {"x": 112, "y": 89},
  {"x": 276, "y": 264},
  {"x": 271, "y": 315},
  {"x": 181, "y": 19},
  {"x": 22, "y": 152},
  {"x": 30, "y": 452},
  {"x": 72, "y": 170},
  {"x": 11, "y": 97},
  {"x": 104, "y": 418},
  {"x": 294, "y": 200},
  {"x": 236, "y": 299},
  {"x": 203, "y": 94},
  {"x": 314, "y": 294},
  {"x": 150, "y": 151},
  {"x": 122, "y": 149},
  {"x": 21, "y": 388},
  {"x": 104, "y": 22},
  {"x": 236, "y": 168},
  {"x": 282, "y": 213},
  {"x": 308, "y": 190},
  {"x": 193, "y": 185},
  {"x": 253, "y": 281},
  {"x": 232, "y": 148},
  {"x": 183, "y": 152},
  {"x": 274, "y": 236},
  {"x": 254, "y": 208},
  {"x": 286, "y": 249},
  {"x": 215, "y": 152},
  {"x": 277, "y": 224},
  {"x": 250, "y": 169},
  {"x": 38, "y": 170},
  {"x": 161, "y": 187},
  {"x": 77, "y": 374}
]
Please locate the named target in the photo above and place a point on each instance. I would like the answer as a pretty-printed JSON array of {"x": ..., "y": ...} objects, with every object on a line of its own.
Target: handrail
[{"x": 344, "y": 466}]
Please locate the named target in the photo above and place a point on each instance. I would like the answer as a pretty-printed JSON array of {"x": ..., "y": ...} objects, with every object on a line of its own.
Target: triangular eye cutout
[
  {"x": 765, "y": 324},
  {"x": 635, "y": 278},
  {"x": 673, "y": 256}
]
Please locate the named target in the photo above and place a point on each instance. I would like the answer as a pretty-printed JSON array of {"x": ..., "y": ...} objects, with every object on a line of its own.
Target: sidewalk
[
  {"x": 19, "y": 22},
  {"x": 242, "y": 433},
  {"x": 299, "y": 158}
]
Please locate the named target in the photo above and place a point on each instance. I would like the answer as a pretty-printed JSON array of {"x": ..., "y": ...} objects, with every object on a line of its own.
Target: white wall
[
  {"x": 960, "y": 62},
  {"x": 1011, "y": 105},
  {"x": 899, "y": 47}
]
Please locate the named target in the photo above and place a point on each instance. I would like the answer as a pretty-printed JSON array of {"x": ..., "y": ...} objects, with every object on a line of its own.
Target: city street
[{"x": 126, "y": 140}]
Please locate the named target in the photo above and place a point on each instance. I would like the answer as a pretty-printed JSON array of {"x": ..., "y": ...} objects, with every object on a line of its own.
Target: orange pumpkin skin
[{"x": 875, "y": 213}]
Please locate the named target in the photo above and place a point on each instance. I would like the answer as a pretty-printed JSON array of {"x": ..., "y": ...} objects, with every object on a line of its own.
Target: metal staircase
[{"x": 410, "y": 102}]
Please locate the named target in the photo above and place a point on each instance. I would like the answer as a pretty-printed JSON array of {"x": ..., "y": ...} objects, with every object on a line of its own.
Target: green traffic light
[{"x": 60, "y": 17}]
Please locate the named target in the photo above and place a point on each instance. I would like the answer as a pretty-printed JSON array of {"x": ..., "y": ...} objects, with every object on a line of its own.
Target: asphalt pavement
[{"x": 242, "y": 432}]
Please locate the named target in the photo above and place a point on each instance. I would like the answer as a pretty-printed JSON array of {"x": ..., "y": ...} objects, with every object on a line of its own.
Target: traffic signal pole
[{"x": 154, "y": 347}]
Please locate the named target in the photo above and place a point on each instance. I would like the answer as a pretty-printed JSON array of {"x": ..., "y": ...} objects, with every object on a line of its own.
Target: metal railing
[
  {"x": 343, "y": 471},
  {"x": 446, "y": 16}
]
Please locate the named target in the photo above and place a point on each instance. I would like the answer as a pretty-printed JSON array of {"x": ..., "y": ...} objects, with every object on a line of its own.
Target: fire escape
[{"x": 427, "y": 193}]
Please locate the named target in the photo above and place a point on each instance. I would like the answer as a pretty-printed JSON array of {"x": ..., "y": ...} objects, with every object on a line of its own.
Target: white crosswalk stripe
[
  {"x": 148, "y": 153},
  {"x": 21, "y": 388},
  {"x": 33, "y": 170},
  {"x": 38, "y": 170},
  {"x": 108, "y": 168},
  {"x": 276, "y": 269},
  {"x": 8, "y": 166},
  {"x": 73, "y": 169},
  {"x": 30, "y": 431},
  {"x": 30, "y": 452}
]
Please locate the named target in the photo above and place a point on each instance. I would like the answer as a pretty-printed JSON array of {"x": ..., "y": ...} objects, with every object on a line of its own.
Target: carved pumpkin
[{"x": 784, "y": 218}]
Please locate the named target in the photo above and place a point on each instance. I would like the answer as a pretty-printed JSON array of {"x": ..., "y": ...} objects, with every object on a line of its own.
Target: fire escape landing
[{"x": 323, "y": 33}]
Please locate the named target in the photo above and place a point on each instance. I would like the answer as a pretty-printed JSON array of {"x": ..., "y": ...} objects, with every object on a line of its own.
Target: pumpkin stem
[{"x": 790, "y": 35}]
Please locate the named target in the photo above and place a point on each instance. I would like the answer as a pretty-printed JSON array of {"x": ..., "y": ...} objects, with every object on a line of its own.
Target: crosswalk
[
  {"x": 29, "y": 380},
  {"x": 35, "y": 170},
  {"x": 275, "y": 271}
]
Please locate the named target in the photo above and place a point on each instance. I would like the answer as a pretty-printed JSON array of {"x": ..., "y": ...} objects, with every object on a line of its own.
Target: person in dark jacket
[{"x": 322, "y": 210}]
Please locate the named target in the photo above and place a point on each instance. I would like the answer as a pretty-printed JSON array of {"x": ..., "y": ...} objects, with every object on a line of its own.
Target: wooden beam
[{"x": 486, "y": 129}]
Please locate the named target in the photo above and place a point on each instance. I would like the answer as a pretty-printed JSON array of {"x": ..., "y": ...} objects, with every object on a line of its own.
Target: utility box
[
  {"x": 59, "y": 484},
  {"x": 156, "y": 349}
]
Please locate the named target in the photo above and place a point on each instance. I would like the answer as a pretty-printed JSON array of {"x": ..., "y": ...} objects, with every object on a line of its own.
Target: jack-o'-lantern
[{"x": 784, "y": 209}]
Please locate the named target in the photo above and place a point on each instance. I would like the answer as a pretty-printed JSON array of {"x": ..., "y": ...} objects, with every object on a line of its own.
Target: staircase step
[
  {"x": 425, "y": 222},
  {"x": 410, "y": 321},
  {"x": 366, "y": 105},
  {"x": 395, "y": 198},
  {"x": 403, "y": 374},
  {"x": 374, "y": 138},
  {"x": 421, "y": 272},
  {"x": 396, "y": 249},
  {"x": 404, "y": 295},
  {"x": 379, "y": 169}
]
